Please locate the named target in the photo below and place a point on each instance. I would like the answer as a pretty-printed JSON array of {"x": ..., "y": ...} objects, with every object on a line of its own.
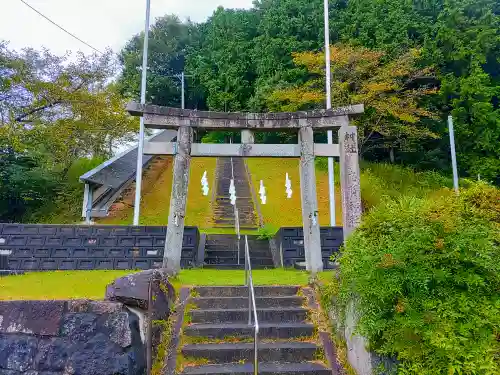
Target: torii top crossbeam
[{"x": 165, "y": 117}]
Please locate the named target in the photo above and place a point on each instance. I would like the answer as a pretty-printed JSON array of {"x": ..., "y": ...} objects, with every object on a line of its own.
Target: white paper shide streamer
[
  {"x": 204, "y": 184},
  {"x": 232, "y": 192},
  {"x": 262, "y": 192},
  {"x": 288, "y": 185}
]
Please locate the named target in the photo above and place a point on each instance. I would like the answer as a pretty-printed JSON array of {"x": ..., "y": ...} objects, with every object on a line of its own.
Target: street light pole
[
  {"x": 453, "y": 153},
  {"x": 331, "y": 169},
  {"x": 140, "y": 147}
]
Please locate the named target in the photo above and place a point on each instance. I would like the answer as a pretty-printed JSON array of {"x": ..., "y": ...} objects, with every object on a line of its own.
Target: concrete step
[
  {"x": 305, "y": 368},
  {"x": 242, "y": 302},
  {"x": 243, "y": 330},
  {"x": 242, "y": 291},
  {"x": 258, "y": 253},
  {"x": 267, "y": 352},
  {"x": 273, "y": 314},
  {"x": 236, "y": 266},
  {"x": 234, "y": 260}
]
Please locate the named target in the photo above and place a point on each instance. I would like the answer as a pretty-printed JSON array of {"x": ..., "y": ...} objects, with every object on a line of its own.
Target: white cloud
[{"x": 101, "y": 23}]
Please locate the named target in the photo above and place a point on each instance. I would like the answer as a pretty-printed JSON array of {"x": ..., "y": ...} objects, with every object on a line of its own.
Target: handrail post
[{"x": 252, "y": 305}]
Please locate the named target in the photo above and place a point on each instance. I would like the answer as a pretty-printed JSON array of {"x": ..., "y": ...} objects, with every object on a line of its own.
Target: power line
[{"x": 62, "y": 28}]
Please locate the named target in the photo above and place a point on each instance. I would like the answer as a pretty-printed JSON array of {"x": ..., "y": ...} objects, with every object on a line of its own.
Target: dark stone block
[
  {"x": 141, "y": 264},
  {"x": 53, "y": 354},
  {"x": 33, "y": 317},
  {"x": 136, "y": 231},
  {"x": 22, "y": 253},
  {"x": 42, "y": 253},
  {"x": 79, "y": 326},
  {"x": 14, "y": 264},
  {"x": 51, "y": 231},
  {"x": 103, "y": 231},
  {"x": 116, "y": 253},
  {"x": 133, "y": 253},
  {"x": 83, "y": 231},
  {"x": 30, "y": 229},
  {"x": 122, "y": 264},
  {"x": 144, "y": 241},
  {"x": 97, "y": 307},
  {"x": 66, "y": 231},
  {"x": 80, "y": 253},
  {"x": 54, "y": 241},
  {"x": 17, "y": 352},
  {"x": 85, "y": 264},
  {"x": 121, "y": 231},
  {"x": 98, "y": 357},
  {"x": 48, "y": 264},
  {"x": 104, "y": 264},
  {"x": 97, "y": 252},
  {"x": 126, "y": 241},
  {"x": 133, "y": 289},
  {"x": 72, "y": 241},
  {"x": 159, "y": 241},
  {"x": 107, "y": 241},
  {"x": 12, "y": 229},
  {"x": 119, "y": 328},
  {"x": 61, "y": 253},
  {"x": 17, "y": 241},
  {"x": 155, "y": 230},
  {"x": 67, "y": 264},
  {"x": 29, "y": 264},
  {"x": 35, "y": 241}
]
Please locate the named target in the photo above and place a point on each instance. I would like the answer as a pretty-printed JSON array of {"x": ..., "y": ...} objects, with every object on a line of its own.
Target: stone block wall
[
  {"x": 69, "y": 337},
  {"x": 291, "y": 244},
  {"x": 40, "y": 247}
]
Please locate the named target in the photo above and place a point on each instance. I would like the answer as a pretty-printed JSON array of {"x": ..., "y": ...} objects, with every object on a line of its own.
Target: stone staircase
[
  {"x": 221, "y": 252},
  {"x": 223, "y": 212},
  {"x": 218, "y": 340}
]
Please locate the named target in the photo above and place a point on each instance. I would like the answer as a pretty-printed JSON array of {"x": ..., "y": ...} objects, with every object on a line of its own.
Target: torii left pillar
[
  {"x": 178, "y": 201},
  {"x": 309, "y": 200}
]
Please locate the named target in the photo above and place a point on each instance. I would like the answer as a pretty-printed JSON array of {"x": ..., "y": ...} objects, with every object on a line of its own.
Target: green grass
[{"x": 92, "y": 284}]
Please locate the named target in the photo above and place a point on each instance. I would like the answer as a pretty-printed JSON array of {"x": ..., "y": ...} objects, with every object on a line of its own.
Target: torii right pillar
[{"x": 350, "y": 179}]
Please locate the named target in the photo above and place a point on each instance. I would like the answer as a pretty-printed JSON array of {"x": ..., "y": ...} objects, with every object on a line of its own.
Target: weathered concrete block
[
  {"x": 79, "y": 326},
  {"x": 33, "y": 317},
  {"x": 97, "y": 307},
  {"x": 119, "y": 327},
  {"x": 133, "y": 290},
  {"x": 97, "y": 357},
  {"x": 17, "y": 352},
  {"x": 53, "y": 354}
]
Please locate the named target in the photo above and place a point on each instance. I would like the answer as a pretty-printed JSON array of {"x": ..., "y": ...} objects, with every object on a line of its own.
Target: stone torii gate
[{"x": 304, "y": 123}]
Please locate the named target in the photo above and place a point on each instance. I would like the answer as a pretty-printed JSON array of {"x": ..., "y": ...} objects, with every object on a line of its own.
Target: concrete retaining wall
[
  {"x": 78, "y": 247},
  {"x": 291, "y": 244}
]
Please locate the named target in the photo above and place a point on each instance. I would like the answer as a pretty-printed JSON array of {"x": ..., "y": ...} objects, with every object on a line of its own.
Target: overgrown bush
[{"x": 425, "y": 277}]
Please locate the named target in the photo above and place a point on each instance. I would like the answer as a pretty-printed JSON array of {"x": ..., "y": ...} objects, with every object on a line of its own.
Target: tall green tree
[
  {"x": 223, "y": 63},
  {"x": 169, "y": 42},
  {"x": 53, "y": 112}
]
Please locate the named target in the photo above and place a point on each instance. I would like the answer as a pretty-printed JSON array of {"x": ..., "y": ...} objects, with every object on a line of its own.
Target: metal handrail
[{"x": 252, "y": 305}]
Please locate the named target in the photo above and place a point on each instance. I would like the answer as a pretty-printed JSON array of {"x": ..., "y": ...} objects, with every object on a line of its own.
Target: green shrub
[
  {"x": 380, "y": 182},
  {"x": 267, "y": 232},
  {"x": 425, "y": 275}
]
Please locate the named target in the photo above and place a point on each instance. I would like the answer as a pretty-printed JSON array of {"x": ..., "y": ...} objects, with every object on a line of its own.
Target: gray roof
[{"x": 121, "y": 168}]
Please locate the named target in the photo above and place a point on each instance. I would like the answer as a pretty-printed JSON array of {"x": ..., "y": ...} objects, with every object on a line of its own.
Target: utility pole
[
  {"x": 182, "y": 77},
  {"x": 183, "y": 105},
  {"x": 453, "y": 154},
  {"x": 331, "y": 169},
  {"x": 140, "y": 147}
]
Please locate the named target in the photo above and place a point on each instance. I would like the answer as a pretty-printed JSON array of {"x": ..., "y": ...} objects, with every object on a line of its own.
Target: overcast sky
[{"x": 101, "y": 23}]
